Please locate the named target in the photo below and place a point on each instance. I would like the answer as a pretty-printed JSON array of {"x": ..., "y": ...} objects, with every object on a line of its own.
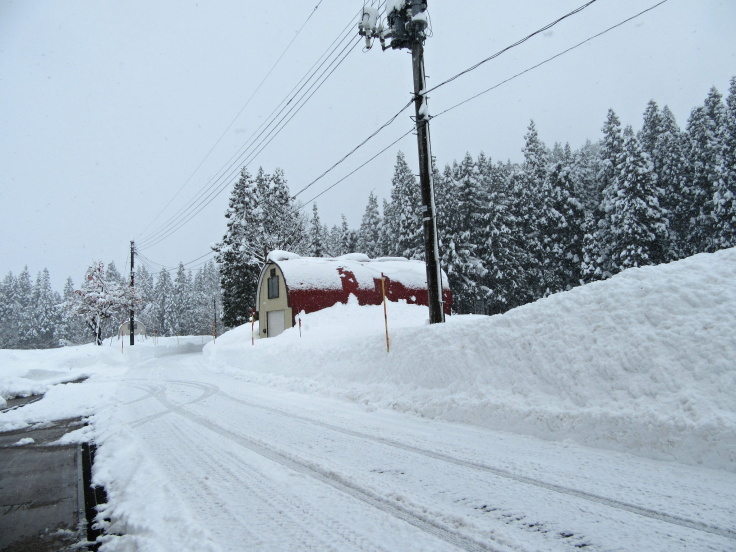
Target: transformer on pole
[{"x": 407, "y": 20}]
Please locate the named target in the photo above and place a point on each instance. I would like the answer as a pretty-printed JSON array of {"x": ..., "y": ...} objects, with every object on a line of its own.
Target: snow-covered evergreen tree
[
  {"x": 406, "y": 224},
  {"x": 527, "y": 209},
  {"x": 144, "y": 284},
  {"x": 724, "y": 194},
  {"x": 599, "y": 261},
  {"x": 707, "y": 170},
  {"x": 651, "y": 129},
  {"x": 183, "y": 303},
  {"x": 316, "y": 234},
  {"x": 464, "y": 234},
  {"x": 505, "y": 281},
  {"x": 369, "y": 235},
  {"x": 562, "y": 231},
  {"x": 638, "y": 222},
  {"x": 670, "y": 164},
  {"x": 23, "y": 314},
  {"x": 73, "y": 330},
  {"x": 46, "y": 316},
  {"x": 164, "y": 315}
]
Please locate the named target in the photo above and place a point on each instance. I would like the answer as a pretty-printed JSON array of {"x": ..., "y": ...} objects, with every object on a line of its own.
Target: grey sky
[{"x": 106, "y": 108}]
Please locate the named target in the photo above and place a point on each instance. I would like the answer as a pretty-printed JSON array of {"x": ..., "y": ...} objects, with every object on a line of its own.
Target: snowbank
[{"x": 644, "y": 362}]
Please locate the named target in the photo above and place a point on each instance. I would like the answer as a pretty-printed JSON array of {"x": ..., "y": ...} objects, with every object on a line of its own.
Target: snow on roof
[
  {"x": 325, "y": 273},
  {"x": 279, "y": 255}
]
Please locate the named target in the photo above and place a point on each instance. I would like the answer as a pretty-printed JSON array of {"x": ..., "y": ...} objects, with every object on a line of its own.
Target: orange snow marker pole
[{"x": 385, "y": 314}]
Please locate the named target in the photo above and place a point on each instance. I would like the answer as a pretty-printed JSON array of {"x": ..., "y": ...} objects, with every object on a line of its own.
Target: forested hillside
[{"x": 511, "y": 233}]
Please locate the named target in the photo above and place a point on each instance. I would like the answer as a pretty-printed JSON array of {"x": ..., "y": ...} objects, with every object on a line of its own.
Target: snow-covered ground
[{"x": 604, "y": 418}]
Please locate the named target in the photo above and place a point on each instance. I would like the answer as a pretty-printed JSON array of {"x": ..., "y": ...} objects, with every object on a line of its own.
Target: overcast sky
[{"x": 107, "y": 108}]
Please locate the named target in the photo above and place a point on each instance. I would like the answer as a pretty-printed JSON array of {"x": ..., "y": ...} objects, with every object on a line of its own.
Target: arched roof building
[{"x": 290, "y": 284}]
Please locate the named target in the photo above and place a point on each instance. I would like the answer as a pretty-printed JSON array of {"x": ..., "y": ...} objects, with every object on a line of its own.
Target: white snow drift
[{"x": 644, "y": 362}]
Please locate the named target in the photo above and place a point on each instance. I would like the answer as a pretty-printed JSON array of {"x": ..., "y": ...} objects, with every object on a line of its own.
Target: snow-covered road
[{"x": 225, "y": 464}]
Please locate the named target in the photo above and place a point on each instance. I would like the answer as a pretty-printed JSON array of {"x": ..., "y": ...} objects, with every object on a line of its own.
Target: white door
[{"x": 275, "y": 321}]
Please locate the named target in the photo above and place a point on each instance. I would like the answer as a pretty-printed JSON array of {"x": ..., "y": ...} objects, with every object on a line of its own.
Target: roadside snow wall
[{"x": 644, "y": 362}]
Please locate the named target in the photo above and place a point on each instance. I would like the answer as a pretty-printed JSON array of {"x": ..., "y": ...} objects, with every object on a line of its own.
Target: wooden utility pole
[
  {"x": 407, "y": 29},
  {"x": 132, "y": 285}
]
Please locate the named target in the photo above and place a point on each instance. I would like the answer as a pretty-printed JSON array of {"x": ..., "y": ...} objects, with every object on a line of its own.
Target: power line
[
  {"x": 288, "y": 46},
  {"x": 291, "y": 96},
  {"x": 552, "y": 58},
  {"x": 497, "y": 54},
  {"x": 481, "y": 93},
  {"x": 360, "y": 167},
  {"x": 244, "y": 159},
  {"x": 514, "y": 45},
  {"x": 356, "y": 148}
]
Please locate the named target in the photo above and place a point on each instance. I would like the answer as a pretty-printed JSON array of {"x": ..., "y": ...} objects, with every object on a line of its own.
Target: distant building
[
  {"x": 138, "y": 328},
  {"x": 290, "y": 284}
]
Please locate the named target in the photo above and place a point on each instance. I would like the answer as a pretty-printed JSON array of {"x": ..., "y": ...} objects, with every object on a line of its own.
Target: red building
[{"x": 290, "y": 284}]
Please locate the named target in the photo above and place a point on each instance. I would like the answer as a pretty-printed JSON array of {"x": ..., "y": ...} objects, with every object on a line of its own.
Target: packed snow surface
[{"x": 603, "y": 418}]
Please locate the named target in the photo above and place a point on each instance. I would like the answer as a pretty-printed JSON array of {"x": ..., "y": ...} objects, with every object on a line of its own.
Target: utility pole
[
  {"x": 408, "y": 24},
  {"x": 132, "y": 286}
]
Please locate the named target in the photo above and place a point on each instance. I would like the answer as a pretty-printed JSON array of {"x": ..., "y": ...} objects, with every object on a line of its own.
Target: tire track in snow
[
  {"x": 426, "y": 524},
  {"x": 584, "y": 495}
]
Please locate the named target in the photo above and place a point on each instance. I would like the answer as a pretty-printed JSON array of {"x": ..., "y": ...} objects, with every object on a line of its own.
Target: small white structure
[{"x": 138, "y": 328}]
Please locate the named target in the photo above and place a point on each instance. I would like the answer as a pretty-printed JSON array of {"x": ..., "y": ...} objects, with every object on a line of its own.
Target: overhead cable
[
  {"x": 289, "y": 98},
  {"x": 288, "y": 46},
  {"x": 552, "y": 58},
  {"x": 514, "y": 45}
]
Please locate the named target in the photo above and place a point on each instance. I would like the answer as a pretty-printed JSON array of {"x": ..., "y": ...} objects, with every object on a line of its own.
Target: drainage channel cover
[{"x": 42, "y": 506}]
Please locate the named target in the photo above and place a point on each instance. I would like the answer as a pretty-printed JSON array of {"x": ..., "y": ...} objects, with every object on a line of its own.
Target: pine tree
[
  {"x": 562, "y": 230},
  {"x": 164, "y": 316},
  {"x": 183, "y": 303},
  {"x": 526, "y": 208},
  {"x": 237, "y": 254},
  {"x": 405, "y": 207},
  {"x": 206, "y": 289},
  {"x": 670, "y": 164},
  {"x": 585, "y": 166},
  {"x": 369, "y": 235},
  {"x": 389, "y": 243},
  {"x": 46, "y": 317},
  {"x": 651, "y": 128},
  {"x": 144, "y": 284},
  {"x": 23, "y": 314},
  {"x": 724, "y": 195},
  {"x": 465, "y": 232},
  {"x": 638, "y": 222},
  {"x": 9, "y": 311},
  {"x": 505, "y": 280},
  {"x": 706, "y": 130},
  {"x": 316, "y": 237},
  {"x": 73, "y": 331},
  {"x": 600, "y": 263}
]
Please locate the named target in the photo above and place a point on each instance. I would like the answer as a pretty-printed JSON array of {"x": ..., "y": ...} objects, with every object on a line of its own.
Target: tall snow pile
[{"x": 644, "y": 362}]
